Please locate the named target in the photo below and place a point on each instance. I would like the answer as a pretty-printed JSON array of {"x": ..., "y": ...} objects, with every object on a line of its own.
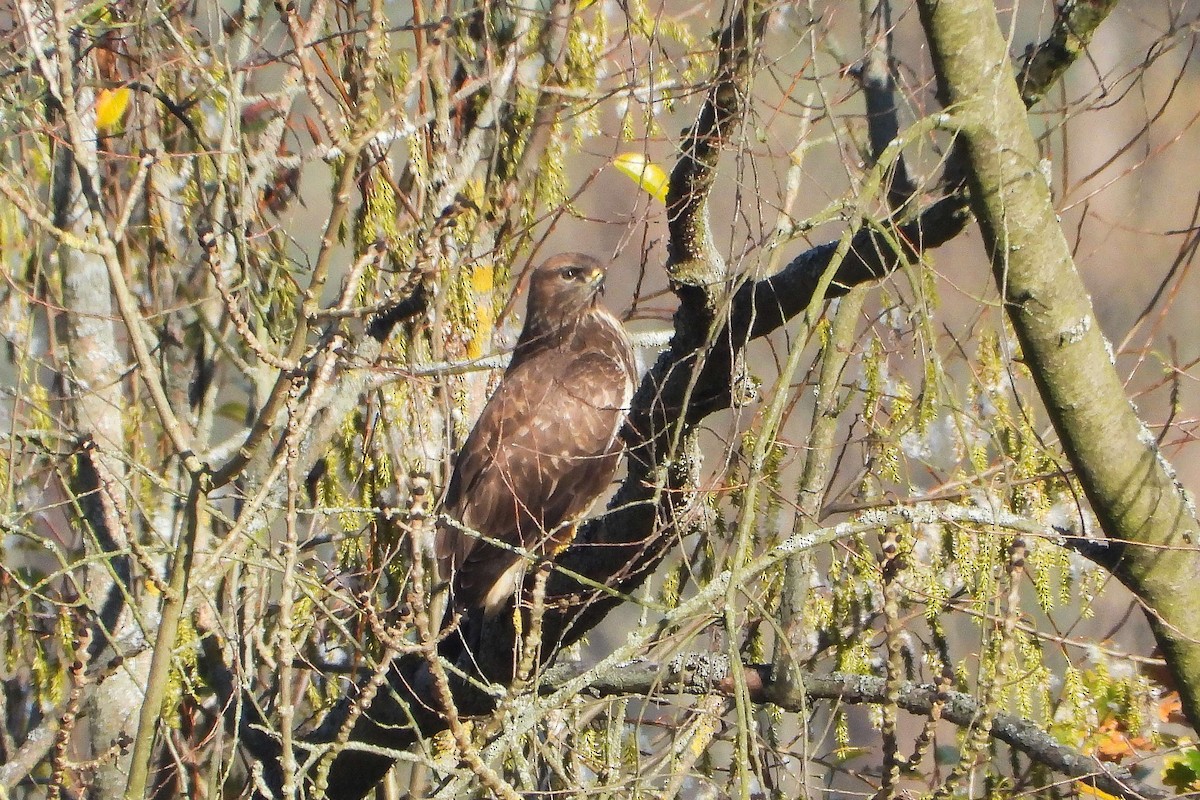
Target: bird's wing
[{"x": 543, "y": 450}]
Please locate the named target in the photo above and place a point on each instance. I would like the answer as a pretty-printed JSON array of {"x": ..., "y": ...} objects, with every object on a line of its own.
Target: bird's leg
[{"x": 561, "y": 538}]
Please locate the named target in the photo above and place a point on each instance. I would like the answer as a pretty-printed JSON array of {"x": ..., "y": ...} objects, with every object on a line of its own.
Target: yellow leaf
[
  {"x": 1091, "y": 791},
  {"x": 111, "y": 105},
  {"x": 648, "y": 175}
]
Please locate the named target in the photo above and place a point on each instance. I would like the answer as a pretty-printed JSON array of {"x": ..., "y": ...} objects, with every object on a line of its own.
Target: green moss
[
  {"x": 669, "y": 594},
  {"x": 184, "y": 679}
]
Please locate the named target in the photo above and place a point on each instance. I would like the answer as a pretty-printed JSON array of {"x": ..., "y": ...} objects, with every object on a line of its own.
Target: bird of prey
[{"x": 548, "y": 440}]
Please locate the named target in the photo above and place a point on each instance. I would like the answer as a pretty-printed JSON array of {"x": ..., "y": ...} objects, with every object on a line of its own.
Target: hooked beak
[{"x": 596, "y": 280}]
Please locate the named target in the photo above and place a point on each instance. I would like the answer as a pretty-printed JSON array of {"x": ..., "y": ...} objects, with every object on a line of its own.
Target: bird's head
[{"x": 561, "y": 291}]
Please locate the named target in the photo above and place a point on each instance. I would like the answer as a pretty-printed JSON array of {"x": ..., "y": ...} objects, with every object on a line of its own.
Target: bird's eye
[{"x": 571, "y": 273}]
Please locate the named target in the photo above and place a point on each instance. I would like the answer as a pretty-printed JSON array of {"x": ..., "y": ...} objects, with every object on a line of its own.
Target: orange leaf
[
  {"x": 1170, "y": 709},
  {"x": 314, "y": 132},
  {"x": 1113, "y": 744}
]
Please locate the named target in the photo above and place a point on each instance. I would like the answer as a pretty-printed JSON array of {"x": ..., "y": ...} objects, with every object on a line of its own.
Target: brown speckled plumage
[{"x": 548, "y": 440}]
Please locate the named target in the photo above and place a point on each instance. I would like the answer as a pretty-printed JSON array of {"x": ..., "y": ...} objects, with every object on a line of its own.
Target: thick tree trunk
[
  {"x": 1131, "y": 487},
  {"x": 95, "y": 402}
]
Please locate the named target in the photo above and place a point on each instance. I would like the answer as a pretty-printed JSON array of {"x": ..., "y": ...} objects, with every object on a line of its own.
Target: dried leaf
[
  {"x": 1113, "y": 744},
  {"x": 1170, "y": 708},
  {"x": 314, "y": 132}
]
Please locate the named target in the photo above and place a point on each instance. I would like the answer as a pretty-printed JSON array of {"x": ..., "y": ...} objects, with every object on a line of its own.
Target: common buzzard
[{"x": 547, "y": 442}]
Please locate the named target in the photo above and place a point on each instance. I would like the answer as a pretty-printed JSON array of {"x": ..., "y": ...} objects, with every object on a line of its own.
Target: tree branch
[{"x": 702, "y": 673}]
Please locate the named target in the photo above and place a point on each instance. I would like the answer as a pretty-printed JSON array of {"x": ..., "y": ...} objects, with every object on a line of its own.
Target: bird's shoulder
[
  {"x": 596, "y": 340},
  {"x": 569, "y": 391}
]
